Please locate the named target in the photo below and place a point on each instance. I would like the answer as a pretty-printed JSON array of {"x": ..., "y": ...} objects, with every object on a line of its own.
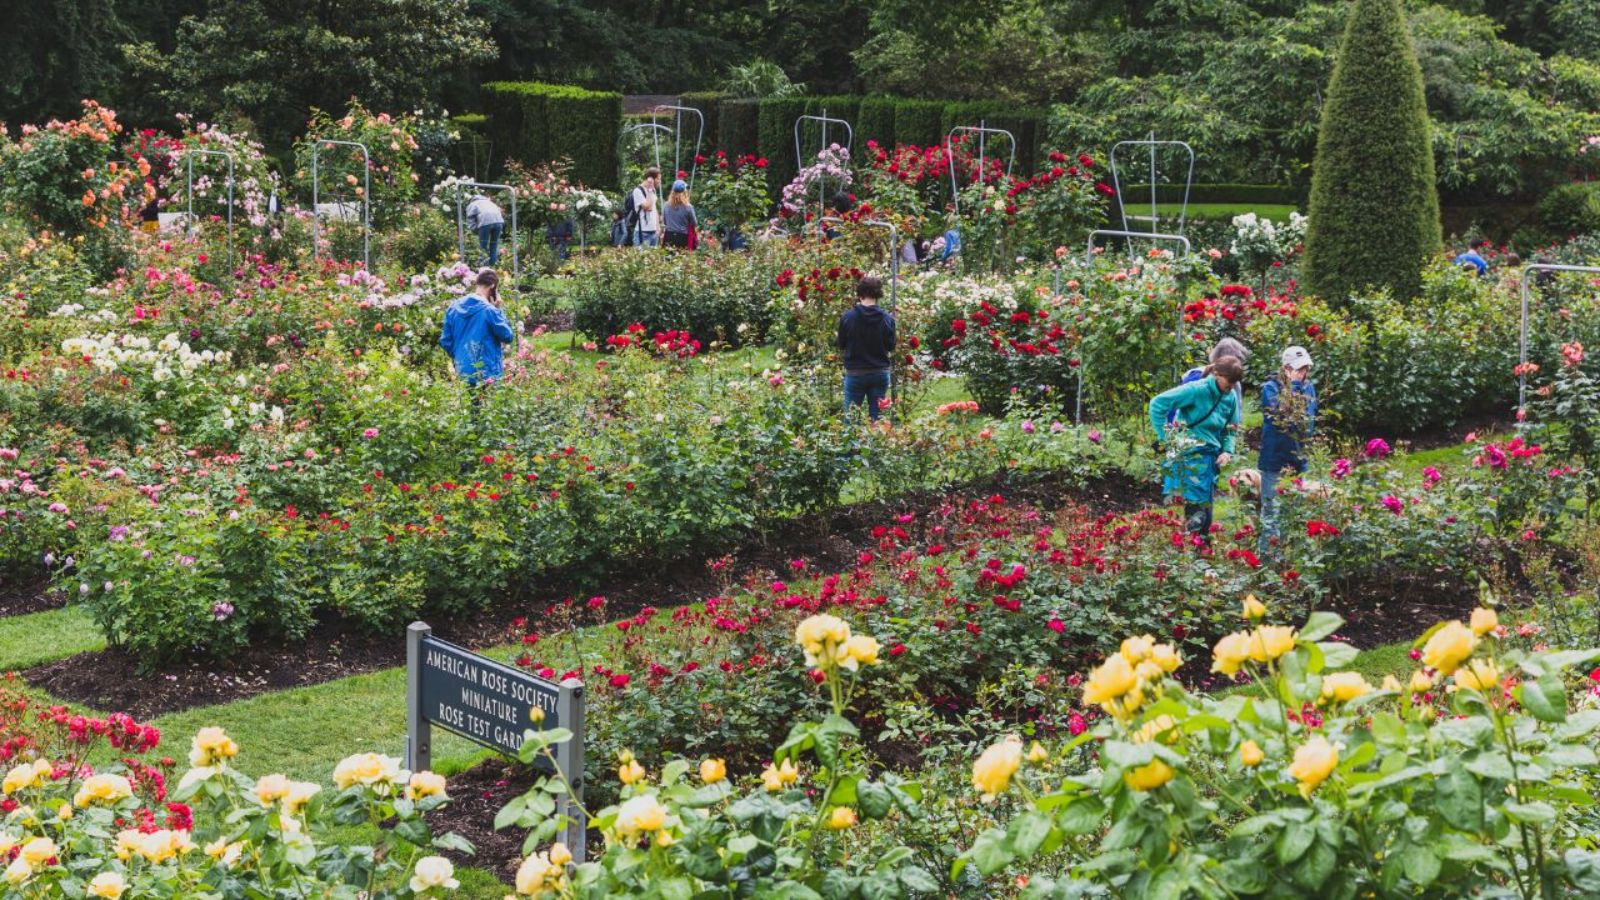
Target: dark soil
[
  {"x": 31, "y": 596},
  {"x": 476, "y": 796},
  {"x": 1385, "y": 607},
  {"x": 110, "y": 679}
]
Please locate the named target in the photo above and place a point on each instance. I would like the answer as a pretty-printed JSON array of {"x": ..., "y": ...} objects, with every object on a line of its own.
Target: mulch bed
[
  {"x": 111, "y": 679},
  {"x": 30, "y": 596},
  {"x": 476, "y": 796}
]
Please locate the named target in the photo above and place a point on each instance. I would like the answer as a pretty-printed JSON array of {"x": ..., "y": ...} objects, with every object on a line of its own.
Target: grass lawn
[
  {"x": 41, "y": 637},
  {"x": 1215, "y": 212}
]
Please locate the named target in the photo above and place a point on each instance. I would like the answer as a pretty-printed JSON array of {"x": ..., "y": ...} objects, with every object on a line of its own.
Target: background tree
[
  {"x": 1374, "y": 200},
  {"x": 54, "y": 53}
]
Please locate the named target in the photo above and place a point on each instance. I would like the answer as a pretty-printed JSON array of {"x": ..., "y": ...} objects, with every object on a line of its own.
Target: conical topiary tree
[{"x": 1374, "y": 204}]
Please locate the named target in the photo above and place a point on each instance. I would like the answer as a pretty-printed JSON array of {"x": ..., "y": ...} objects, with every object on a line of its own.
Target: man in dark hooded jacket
[{"x": 866, "y": 340}]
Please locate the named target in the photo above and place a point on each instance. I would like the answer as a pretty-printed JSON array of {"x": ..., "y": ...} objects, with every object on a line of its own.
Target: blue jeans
[
  {"x": 869, "y": 388},
  {"x": 647, "y": 238},
  {"x": 489, "y": 241},
  {"x": 1269, "y": 513}
]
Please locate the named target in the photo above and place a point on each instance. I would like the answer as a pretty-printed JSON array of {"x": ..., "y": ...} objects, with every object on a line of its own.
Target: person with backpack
[
  {"x": 1225, "y": 347},
  {"x": 866, "y": 341},
  {"x": 640, "y": 214},
  {"x": 1288, "y": 414},
  {"x": 488, "y": 222},
  {"x": 474, "y": 329},
  {"x": 1194, "y": 424}
]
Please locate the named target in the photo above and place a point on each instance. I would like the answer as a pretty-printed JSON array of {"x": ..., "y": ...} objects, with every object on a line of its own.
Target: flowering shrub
[
  {"x": 732, "y": 191},
  {"x": 723, "y": 297},
  {"x": 391, "y": 142},
  {"x": 1312, "y": 779},
  {"x": 73, "y": 831},
  {"x": 1259, "y": 244},
  {"x": 806, "y": 197},
  {"x": 65, "y": 176}
]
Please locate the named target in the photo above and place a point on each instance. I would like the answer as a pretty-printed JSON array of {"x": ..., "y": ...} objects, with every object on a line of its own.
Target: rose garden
[{"x": 705, "y": 634}]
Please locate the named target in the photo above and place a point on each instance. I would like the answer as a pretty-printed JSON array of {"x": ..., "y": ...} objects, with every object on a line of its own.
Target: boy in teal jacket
[{"x": 1199, "y": 439}]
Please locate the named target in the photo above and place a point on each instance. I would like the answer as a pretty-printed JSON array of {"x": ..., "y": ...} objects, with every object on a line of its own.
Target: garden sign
[{"x": 490, "y": 703}]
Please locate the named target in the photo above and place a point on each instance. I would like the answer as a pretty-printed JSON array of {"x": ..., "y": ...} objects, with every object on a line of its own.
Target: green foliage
[
  {"x": 531, "y": 122},
  {"x": 738, "y": 126},
  {"x": 917, "y": 122},
  {"x": 1374, "y": 203},
  {"x": 709, "y": 103},
  {"x": 875, "y": 121},
  {"x": 775, "y": 138},
  {"x": 1570, "y": 210},
  {"x": 54, "y": 53},
  {"x": 1024, "y": 124},
  {"x": 760, "y": 79},
  {"x": 712, "y": 296}
]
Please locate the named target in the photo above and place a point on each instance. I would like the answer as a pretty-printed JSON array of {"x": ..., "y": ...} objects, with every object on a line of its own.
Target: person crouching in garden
[
  {"x": 1198, "y": 441},
  {"x": 678, "y": 219},
  {"x": 866, "y": 342},
  {"x": 474, "y": 329},
  {"x": 488, "y": 222},
  {"x": 1288, "y": 412}
]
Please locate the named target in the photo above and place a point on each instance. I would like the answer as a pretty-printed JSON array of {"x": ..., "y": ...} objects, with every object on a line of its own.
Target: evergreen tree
[{"x": 1374, "y": 203}]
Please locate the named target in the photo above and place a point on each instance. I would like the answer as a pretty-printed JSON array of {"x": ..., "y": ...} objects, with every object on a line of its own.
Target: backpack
[{"x": 630, "y": 215}]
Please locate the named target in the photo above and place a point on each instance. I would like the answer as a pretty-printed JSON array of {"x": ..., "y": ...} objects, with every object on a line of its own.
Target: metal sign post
[
  {"x": 491, "y": 704},
  {"x": 982, "y": 130},
  {"x": 1116, "y": 182},
  {"x": 677, "y": 140},
  {"x": 366, "y": 197},
  {"x": 1088, "y": 262},
  {"x": 799, "y": 155},
  {"x": 461, "y": 240},
  {"x": 188, "y": 159},
  {"x": 1522, "y": 341}
]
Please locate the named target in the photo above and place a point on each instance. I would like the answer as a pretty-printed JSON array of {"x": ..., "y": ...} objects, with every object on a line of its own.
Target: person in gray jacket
[{"x": 486, "y": 220}]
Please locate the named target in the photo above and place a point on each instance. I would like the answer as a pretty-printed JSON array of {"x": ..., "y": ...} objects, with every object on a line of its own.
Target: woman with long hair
[
  {"x": 1194, "y": 424},
  {"x": 678, "y": 219}
]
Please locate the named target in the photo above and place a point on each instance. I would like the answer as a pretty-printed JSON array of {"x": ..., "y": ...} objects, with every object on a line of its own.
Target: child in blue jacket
[
  {"x": 474, "y": 329},
  {"x": 1202, "y": 413},
  {"x": 1288, "y": 413}
]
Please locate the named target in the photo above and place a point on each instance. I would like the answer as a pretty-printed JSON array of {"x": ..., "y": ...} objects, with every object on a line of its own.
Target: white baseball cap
[{"x": 1296, "y": 357}]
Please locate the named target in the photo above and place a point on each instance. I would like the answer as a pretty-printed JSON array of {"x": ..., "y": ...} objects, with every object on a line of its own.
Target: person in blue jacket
[
  {"x": 1199, "y": 441},
  {"x": 1288, "y": 413},
  {"x": 474, "y": 330}
]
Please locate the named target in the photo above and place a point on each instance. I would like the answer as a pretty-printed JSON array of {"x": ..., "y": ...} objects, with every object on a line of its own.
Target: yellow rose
[
  {"x": 991, "y": 773},
  {"x": 27, "y": 775},
  {"x": 1165, "y": 656},
  {"x": 19, "y": 871},
  {"x": 366, "y": 768},
  {"x": 425, "y": 784},
  {"x": 842, "y": 818},
  {"x": 820, "y": 636},
  {"x": 433, "y": 872},
  {"x": 1449, "y": 647},
  {"x": 639, "y": 815},
  {"x": 1250, "y": 753},
  {"x": 1230, "y": 653},
  {"x": 860, "y": 649},
  {"x": 1037, "y": 753},
  {"x": 1313, "y": 762},
  {"x": 559, "y": 854},
  {"x": 271, "y": 788},
  {"x": 713, "y": 771},
  {"x": 1483, "y": 621},
  {"x": 7, "y": 842},
  {"x": 1155, "y": 728},
  {"x": 1148, "y": 777},
  {"x": 630, "y": 772},
  {"x": 1421, "y": 682},
  {"x": 1137, "y": 648},
  {"x": 776, "y": 778},
  {"x": 128, "y": 843},
  {"x": 1478, "y": 675},
  {"x": 39, "y": 851},
  {"x": 1113, "y": 679},
  {"x": 1253, "y": 609},
  {"x": 1342, "y": 687},
  {"x": 210, "y": 746},
  {"x": 1269, "y": 642},
  {"x": 224, "y": 852},
  {"x": 534, "y": 873},
  {"x": 108, "y": 885},
  {"x": 105, "y": 788},
  {"x": 299, "y": 794}
]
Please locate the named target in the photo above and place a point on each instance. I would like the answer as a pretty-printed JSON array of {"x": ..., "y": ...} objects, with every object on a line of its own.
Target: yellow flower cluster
[
  {"x": 1119, "y": 686},
  {"x": 368, "y": 769},
  {"x": 26, "y": 775},
  {"x": 155, "y": 847},
  {"x": 1149, "y": 776},
  {"x": 713, "y": 771},
  {"x": 295, "y": 795},
  {"x": 423, "y": 785},
  {"x": 108, "y": 885},
  {"x": 1342, "y": 687},
  {"x": 1262, "y": 645},
  {"x": 1449, "y": 651},
  {"x": 211, "y": 746},
  {"x": 777, "y": 777},
  {"x": 639, "y": 816},
  {"x": 33, "y": 855},
  {"x": 433, "y": 872},
  {"x": 1313, "y": 762},
  {"x": 544, "y": 872},
  {"x": 992, "y": 771},
  {"x": 106, "y": 789},
  {"x": 828, "y": 643}
]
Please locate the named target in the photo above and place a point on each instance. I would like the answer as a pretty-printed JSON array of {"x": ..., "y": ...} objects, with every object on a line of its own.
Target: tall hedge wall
[
  {"x": 737, "y": 126},
  {"x": 534, "y": 122},
  {"x": 1027, "y": 125},
  {"x": 775, "y": 138},
  {"x": 917, "y": 122},
  {"x": 875, "y": 121},
  {"x": 710, "y": 105}
]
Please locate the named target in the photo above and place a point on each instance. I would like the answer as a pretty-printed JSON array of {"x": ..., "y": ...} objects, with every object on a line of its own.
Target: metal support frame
[
  {"x": 188, "y": 161},
  {"x": 1522, "y": 340},
  {"x": 1152, "y": 143},
  {"x": 799, "y": 155},
  {"x": 677, "y": 140},
  {"x": 1088, "y": 262},
  {"x": 982, "y": 130},
  {"x": 461, "y": 236},
  {"x": 655, "y": 128},
  {"x": 366, "y": 197}
]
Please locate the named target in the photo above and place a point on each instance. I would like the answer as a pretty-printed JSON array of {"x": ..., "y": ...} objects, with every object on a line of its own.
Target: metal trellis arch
[
  {"x": 1152, "y": 143},
  {"x": 461, "y": 237},
  {"x": 982, "y": 130},
  {"x": 1088, "y": 262},
  {"x": 366, "y": 197},
  {"x": 677, "y": 140},
  {"x": 799, "y": 155},
  {"x": 188, "y": 160}
]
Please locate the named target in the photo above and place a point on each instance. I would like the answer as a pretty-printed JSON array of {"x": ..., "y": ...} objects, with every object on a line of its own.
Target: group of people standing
[
  {"x": 643, "y": 221},
  {"x": 1197, "y": 424}
]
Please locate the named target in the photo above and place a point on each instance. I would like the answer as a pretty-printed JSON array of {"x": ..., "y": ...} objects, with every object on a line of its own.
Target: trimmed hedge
[
  {"x": 875, "y": 121},
  {"x": 775, "y": 138},
  {"x": 1374, "y": 199},
  {"x": 534, "y": 122},
  {"x": 1026, "y": 125},
  {"x": 737, "y": 126},
  {"x": 710, "y": 105},
  {"x": 917, "y": 122}
]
